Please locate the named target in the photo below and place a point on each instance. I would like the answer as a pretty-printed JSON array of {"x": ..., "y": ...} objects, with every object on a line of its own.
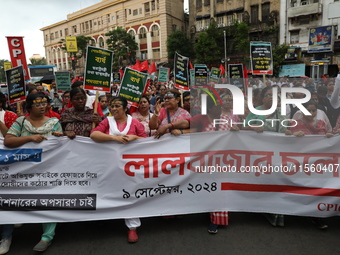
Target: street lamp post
[{"x": 225, "y": 52}]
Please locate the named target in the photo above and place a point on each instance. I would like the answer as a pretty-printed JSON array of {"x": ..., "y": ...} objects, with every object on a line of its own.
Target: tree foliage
[
  {"x": 36, "y": 62},
  {"x": 209, "y": 47},
  {"x": 180, "y": 43},
  {"x": 278, "y": 57},
  {"x": 238, "y": 42},
  {"x": 2, "y": 70},
  {"x": 123, "y": 45}
]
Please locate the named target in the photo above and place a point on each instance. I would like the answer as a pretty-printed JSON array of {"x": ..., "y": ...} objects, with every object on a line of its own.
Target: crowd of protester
[{"x": 163, "y": 109}]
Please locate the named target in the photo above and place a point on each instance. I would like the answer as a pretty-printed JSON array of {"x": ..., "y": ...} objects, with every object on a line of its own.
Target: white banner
[{"x": 64, "y": 180}]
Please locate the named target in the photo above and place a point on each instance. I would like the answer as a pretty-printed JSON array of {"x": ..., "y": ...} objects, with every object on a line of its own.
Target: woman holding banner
[
  {"x": 205, "y": 123},
  {"x": 78, "y": 119},
  {"x": 34, "y": 128},
  {"x": 122, "y": 128}
]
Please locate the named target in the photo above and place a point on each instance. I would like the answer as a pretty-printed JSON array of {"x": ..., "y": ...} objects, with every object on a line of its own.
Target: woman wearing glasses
[
  {"x": 36, "y": 127},
  {"x": 163, "y": 117}
]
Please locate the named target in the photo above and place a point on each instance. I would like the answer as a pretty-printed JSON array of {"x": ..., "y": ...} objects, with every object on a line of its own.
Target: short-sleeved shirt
[
  {"x": 22, "y": 127},
  {"x": 180, "y": 114}
]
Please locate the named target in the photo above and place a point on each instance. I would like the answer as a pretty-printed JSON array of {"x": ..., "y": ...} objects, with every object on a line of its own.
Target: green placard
[
  {"x": 132, "y": 86},
  {"x": 63, "y": 81},
  {"x": 192, "y": 77},
  {"x": 163, "y": 75},
  {"x": 98, "y": 69},
  {"x": 215, "y": 74}
]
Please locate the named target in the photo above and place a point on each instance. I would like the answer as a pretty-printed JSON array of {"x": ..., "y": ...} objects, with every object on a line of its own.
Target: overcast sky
[{"x": 25, "y": 18}]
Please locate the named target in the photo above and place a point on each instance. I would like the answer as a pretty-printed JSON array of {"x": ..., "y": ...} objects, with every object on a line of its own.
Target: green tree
[
  {"x": 124, "y": 47},
  {"x": 180, "y": 43},
  {"x": 238, "y": 41},
  {"x": 36, "y": 62},
  {"x": 209, "y": 45},
  {"x": 278, "y": 57},
  {"x": 2, "y": 70}
]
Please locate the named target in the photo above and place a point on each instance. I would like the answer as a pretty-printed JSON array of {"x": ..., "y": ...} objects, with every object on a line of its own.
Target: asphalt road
[{"x": 247, "y": 233}]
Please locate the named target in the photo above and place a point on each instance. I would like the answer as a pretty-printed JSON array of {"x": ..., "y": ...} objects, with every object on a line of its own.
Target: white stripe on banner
[{"x": 61, "y": 180}]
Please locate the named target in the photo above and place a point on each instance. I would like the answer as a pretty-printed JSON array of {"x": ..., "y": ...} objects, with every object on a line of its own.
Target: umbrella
[{"x": 47, "y": 79}]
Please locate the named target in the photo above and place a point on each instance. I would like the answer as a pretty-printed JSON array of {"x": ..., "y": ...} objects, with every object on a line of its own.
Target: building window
[
  {"x": 66, "y": 31},
  {"x": 147, "y": 7},
  {"x": 206, "y": 2},
  {"x": 74, "y": 28},
  {"x": 304, "y": 20},
  {"x": 56, "y": 35},
  {"x": 108, "y": 18},
  {"x": 101, "y": 42},
  {"x": 156, "y": 53},
  {"x": 230, "y": 20},
  {"x": 207, "y": 22},
  {"x": 52, "y": 36},
  {"x": 61, "y": 33},
  {"x": 46, "y": 37},
  {"x": 294, "y": 36},
  {"x": 199, "y": 25},
  {"x": 239, "y": 17},
  {"x": 154, "y": 31},
  {"x": 129, "y": 11},
  {"x": 140, "y": 11},
  {"x": 174, "y": 28},
  {"x": 135, "y": 12},
  {"x": 220, "y": 20},
  {"x": 144, "y": 55},
  {"x": 219, "y": 1},
  {"x": 293, "y": 3},
  {"x": 265, "y": 12},
  {"x": 153, "y": 5},
  {"x": 132, "y": 33},
  {"x": 142, "y": 33},
  {"x": 254, "y": 10},
  {"x": 304, "y": 2},
  {"x": 198, "y": 3}
]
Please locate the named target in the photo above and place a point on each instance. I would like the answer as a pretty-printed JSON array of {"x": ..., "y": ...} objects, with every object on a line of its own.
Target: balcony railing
[{"x": 303, "y": 10}]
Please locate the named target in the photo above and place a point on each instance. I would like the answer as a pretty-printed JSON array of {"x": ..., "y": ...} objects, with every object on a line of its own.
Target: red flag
[
  {"x": 191, "y": 67},
  {"x": 137, "y": 66},
  {"x": 144, "y": 66},
  {"x": 152, "y": 68},
  {"x": 245, "y": 76},
  {"x": 222, "y": 69}
]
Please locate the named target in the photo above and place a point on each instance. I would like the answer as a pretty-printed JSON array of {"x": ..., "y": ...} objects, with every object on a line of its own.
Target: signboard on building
[
  {"x": 71, "y": 44},
  {"x": 261, "y": 58},
  {"x": 293, "y": 70},
  {"x": 320, "y": 39}
]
